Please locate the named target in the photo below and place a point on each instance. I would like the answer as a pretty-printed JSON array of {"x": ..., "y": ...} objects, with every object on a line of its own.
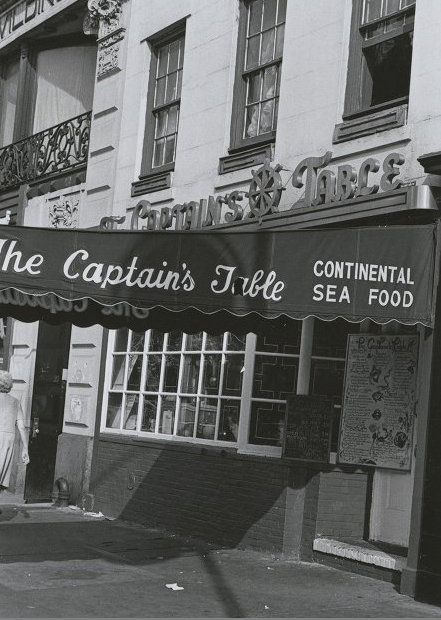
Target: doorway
[{"x": 47, "y": 409}]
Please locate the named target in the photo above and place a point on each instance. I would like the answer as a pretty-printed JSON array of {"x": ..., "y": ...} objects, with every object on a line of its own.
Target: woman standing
[{"x": 11, "y": 415}]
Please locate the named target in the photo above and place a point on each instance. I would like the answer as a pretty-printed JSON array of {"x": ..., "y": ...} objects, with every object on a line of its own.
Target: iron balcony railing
[{"x": 53, "y": 151}]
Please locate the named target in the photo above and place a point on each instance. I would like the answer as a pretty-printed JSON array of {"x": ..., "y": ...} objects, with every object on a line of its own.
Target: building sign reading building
[{"x": 21, "y": 14}]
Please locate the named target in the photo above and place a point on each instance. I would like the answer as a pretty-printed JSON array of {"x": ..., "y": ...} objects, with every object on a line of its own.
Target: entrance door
[{"x": 47, "y": 410}]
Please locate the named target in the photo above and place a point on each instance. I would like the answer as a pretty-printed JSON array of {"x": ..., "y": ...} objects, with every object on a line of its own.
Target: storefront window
[
  {"x": 198, "y": 387},
  {"x": 185, "y": 385}
]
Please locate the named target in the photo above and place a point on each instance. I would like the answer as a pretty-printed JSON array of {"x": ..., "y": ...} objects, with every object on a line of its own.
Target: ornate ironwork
[{"x": 52, "y": 151}]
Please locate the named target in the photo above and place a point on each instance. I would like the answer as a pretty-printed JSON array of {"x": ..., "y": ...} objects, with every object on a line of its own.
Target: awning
[{"x": 216, "y": 281}]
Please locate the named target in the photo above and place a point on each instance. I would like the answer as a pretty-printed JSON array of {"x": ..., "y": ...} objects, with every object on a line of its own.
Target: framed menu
[
  {"x": 379, "y": 400},
  {"x": 307, "y": 433}
]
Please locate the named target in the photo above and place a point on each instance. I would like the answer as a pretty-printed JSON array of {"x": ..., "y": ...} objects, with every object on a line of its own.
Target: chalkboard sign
[
  {"x": 307, "y": 434},
  {"x": 379, "y": 400}
]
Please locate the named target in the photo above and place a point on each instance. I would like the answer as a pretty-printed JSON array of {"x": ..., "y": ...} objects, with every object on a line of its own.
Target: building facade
[{"x": 234, "y": 115}]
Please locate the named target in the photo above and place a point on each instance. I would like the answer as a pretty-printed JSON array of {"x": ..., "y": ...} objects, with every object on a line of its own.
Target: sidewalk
[{"x": 59, "y": 563}]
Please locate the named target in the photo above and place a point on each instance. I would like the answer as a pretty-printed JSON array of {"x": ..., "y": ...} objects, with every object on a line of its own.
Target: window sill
[
  {"x": 370, "y": 123},
  {"x": 246, "y": 157},
  {"x": 153, "y": 182}
]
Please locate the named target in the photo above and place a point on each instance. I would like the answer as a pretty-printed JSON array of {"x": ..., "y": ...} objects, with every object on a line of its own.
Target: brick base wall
[{"x": 219, "y": 496}]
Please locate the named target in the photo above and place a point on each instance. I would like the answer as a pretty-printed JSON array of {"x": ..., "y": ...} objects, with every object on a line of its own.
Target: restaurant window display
[{"x": 207, "y": 388}]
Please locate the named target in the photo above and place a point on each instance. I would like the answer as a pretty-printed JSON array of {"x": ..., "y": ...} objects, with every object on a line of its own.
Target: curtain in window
[
  {"x": 8, "y": 103},
  {"x": 65, "y": 81}
]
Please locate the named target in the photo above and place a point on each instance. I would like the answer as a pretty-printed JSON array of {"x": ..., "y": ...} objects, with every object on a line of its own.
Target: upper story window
[
  {"x": 258, "y": 72},
  {"x": 163, "y": 101},
  {"x": 380, "y": 55}
]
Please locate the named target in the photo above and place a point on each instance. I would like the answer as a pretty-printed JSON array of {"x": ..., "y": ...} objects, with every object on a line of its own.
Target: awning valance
[{"x": 218, "y": 280}]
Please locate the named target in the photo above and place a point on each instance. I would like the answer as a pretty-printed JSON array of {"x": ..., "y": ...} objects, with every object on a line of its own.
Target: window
[
  {"x": 259, "y": 58},
  {"x": 163, "y": 103},
  {"x": 8, "y": 101},
  {"x": 176, "y": 384},
  {"x": 380, "y": 55},
  {"x": 220, "y": 389}
]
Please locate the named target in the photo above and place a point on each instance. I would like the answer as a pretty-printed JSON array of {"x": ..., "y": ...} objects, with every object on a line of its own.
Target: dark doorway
[{"x": 47, "y": 409}]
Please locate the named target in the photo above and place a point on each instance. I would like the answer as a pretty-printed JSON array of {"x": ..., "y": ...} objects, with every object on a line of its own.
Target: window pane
[
  {"x": 137, "y": 343},
  {"x": 121, "y": 339},
  {"x": 236, "y": 343},
  {"x": 160, "y": 91},
  {"x": 269, "y": 13},
  {"x": 327, "y": 379},
  {"x": 171, "y": 373},
  {"x": 153, "y": 373},
  {"x": 229, "y": 420},
  {"x": 169, "y": 149},
  {"x": 330, "y": 337},
  {"x": 255, "y": 16},
  {"x": 161, "y": 124},
  {"x": 212, "y": 366},
  {"x": 167, "y": 415},
  {"x": 269, "y": 82},
  {"x": 267, "y": 423},
  {"x": 274, "y": 377},
  {"x": 179, "y": 84},
  {"x": 281, "y": 16},
  {"x": 172, "y": 124},
  {"x": 207, "y": 418},
  {"x": 391, "y": 6},
  {"x": 156, "y": 340},
  {"x": 174, "y": 341},
  {"x": 171, "y": 87},
  {"x": 253, "y": 52},
  {"x": 149, "y": 414},
  {"x": 131, "y": 412},
  {"x": 134, "y": 372},
  {"x": 372, "y": 10},
  {"x": 114, "y": 411},
  {"x": 194, "y": 342},
  {"x": 252, "y": 120},
  {"x": 187, "y": 412},
  {"x": 190, "y": 376},
  {"x": 181, "y": 53},
  {"x": 287, "y": 341},
  {"x": 279, "y": 41},
  {"x": 174, "y": 56},
  {"x": 233, "y": 374},
  {"x": 162, "y": 61},
  {"x": 214, "y": 343},
  {"x": 254, "y": 82},
  {"x": 266, "y": 116},
  {"x": 158, "y": 155},
  {"x": 267, "y": 51},
  {"x": 119, "y": 365}
]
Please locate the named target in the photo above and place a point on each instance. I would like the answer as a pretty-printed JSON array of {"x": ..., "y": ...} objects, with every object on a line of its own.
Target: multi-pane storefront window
[
  {"x": 177, "y": 384},
  {"x": 203, "y": 387}
]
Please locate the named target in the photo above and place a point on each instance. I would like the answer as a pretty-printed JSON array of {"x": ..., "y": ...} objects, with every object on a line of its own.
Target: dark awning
[{"x": 218, "y": 280}]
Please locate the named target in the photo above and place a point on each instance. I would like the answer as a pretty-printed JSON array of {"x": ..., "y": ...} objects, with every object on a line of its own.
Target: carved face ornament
[{"x": 104, "y": 9}]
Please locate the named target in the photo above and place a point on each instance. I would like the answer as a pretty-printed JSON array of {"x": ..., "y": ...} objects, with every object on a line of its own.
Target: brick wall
[
  {"x": 342, "y": 503},
  {"x": 209, "y": 493}
]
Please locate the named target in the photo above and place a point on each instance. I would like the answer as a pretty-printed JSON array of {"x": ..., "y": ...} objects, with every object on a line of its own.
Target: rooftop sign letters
[
  {"x": 21, "y": 14},
  {"x": 320, "y": 185}
]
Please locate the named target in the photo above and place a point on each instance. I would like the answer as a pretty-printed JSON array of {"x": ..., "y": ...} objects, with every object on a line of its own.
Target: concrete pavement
[{"x": 61, "y": 563}]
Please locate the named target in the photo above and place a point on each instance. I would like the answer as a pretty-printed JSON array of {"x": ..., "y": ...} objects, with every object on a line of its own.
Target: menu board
[
  {"x": 379, "y": 400},
  {"x": 307, "y": 428}
]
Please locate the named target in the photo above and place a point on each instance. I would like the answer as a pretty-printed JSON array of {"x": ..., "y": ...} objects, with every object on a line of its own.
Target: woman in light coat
[{"x": 11, "y": 416}]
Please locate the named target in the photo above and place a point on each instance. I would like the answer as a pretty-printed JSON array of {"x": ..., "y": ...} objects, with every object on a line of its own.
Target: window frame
[
  {"x": 237, "y": 141},
  {"x": 356, "y": 80},
  {"x": 155, "y": 42}
]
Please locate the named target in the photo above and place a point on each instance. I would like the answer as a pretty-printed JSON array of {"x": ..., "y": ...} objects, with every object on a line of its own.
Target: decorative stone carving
[
  {"x": 108, "y": 53},
  {"x": 64, "y": 212},
  {"x": 105, "y": 10}
]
